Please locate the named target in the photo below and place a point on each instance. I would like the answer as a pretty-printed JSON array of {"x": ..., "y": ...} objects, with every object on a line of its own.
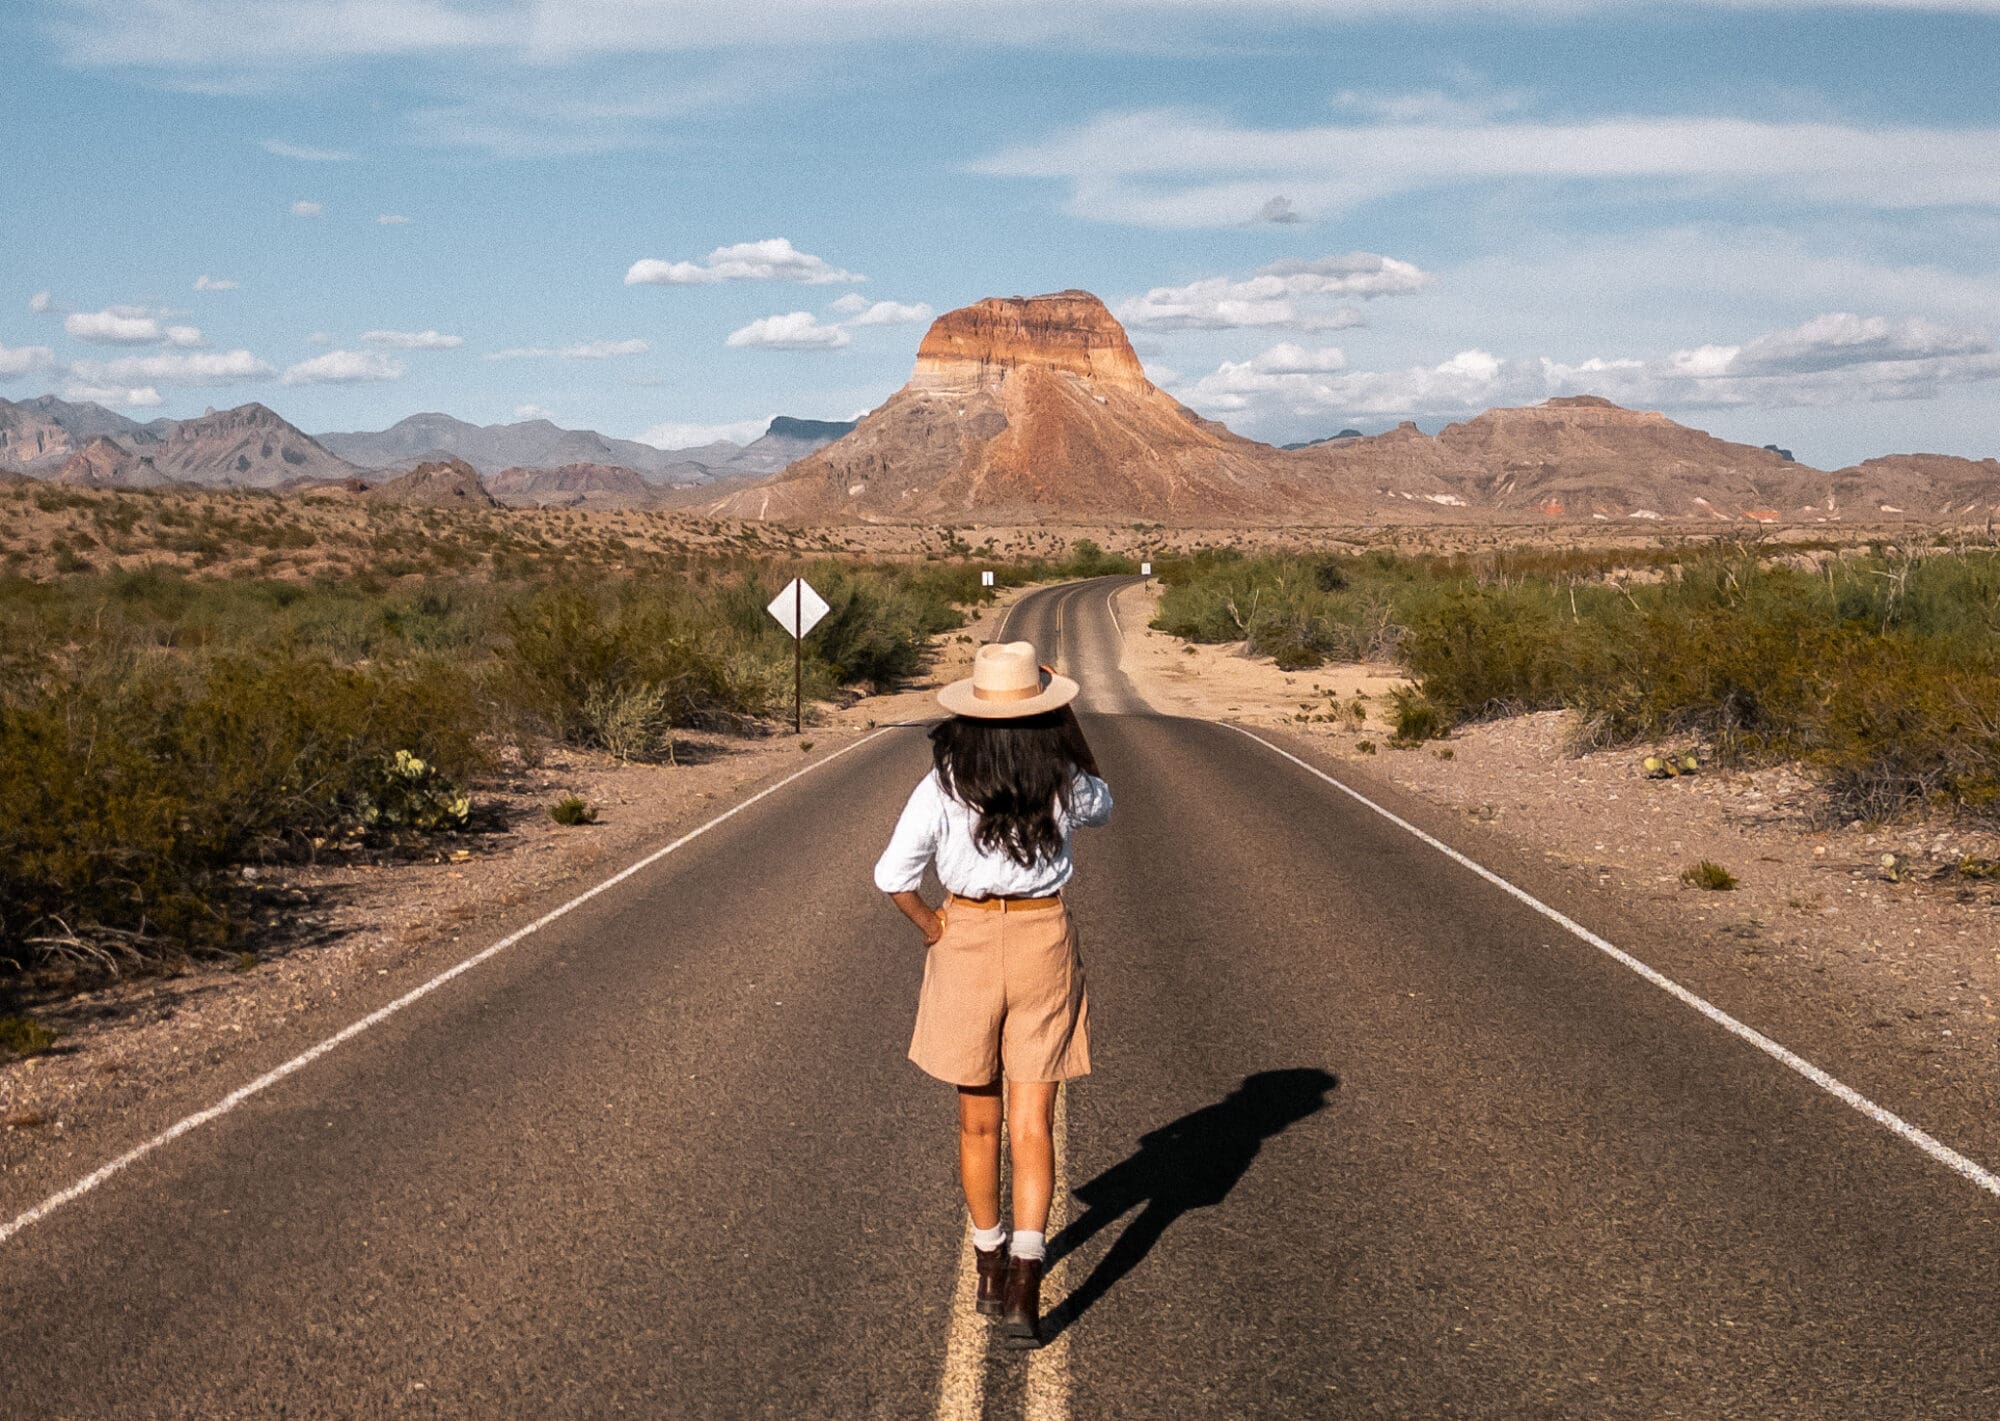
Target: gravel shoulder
[
  {"x": 1893, "y": 972},
  {"x": 339, "y": 940}
]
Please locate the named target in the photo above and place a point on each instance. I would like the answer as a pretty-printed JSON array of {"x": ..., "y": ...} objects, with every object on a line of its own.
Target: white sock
[
  {"x": 986, "y": 1240},
  {"x": 1028, "y": 1244}
]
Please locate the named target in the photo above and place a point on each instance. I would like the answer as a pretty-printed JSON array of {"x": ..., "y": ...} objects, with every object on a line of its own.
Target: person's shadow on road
[{"x": 1192, "y": 1163}]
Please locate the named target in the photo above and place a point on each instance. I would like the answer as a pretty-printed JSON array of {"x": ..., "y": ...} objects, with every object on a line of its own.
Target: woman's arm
[
  {"x": 921, "y": 913},
  {"x": 1090, "y": 802},
  {"x": 901, "y": 868}
]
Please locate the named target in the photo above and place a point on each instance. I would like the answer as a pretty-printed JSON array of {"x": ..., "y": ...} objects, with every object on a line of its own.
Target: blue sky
[{"x": 671, "y": 220}]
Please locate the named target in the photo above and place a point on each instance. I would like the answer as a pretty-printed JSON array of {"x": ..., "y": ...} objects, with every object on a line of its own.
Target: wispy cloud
[
  {"x": 205, "y": 282},
  {"x": 392, "y": 219},
  {"x": 346, "y": 367},
  {"x": 121, "y": 396},
  {"x": 1291, "y": 294},
  {"x": 235, "y": 35},
  {"x": 860, "y": 311},
  {"x": 128, "y": 325},
  {"x": 774, "y": 259},
  {"x": 412, "y": 340},
  {"x": 299, "y": 152},
  {"x": 222, "y": 367},
  {"x": 797, "y": 330},
  {"x": 43, "y": 304},
  {"x": 585, "y": 350},
  {"x": 1182, "y": 168},
  {"x": 19, "y": 360},
  {"x": 305, "y": 207},
  {"x": 1832, "y": 360}
]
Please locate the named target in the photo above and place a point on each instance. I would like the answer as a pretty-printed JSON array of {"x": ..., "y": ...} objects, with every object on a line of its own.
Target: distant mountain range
[
  {"x": 252, "y": 446},
  {"x": 1032, "y": 409},
  {"x": 1026, "y": 410}
]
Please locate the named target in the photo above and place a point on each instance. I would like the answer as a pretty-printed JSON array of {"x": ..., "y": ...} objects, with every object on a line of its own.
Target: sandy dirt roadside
[
  {"x": 1909, "y": 966},
  {"x": 337, "y": 938}
]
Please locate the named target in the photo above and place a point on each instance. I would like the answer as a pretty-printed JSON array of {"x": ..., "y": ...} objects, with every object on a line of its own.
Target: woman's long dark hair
[{"x": 1015, "y": 773}]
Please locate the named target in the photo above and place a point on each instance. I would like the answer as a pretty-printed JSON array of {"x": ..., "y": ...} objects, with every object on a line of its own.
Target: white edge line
[
  {"x": 1951, "y": 1159},
  {"x": 313, "y": 1053}
]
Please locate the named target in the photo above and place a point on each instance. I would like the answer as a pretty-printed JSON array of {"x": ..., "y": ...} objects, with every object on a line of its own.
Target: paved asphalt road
[{"x": 1367, "y": 1138}]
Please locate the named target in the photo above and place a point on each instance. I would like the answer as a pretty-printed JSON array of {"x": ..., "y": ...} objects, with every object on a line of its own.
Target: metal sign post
[
  {"x": 1145, "y": 569},
  {"x": 798, "y": 609}
]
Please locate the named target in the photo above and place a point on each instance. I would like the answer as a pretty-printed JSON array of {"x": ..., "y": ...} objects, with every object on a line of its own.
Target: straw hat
[{"x": 1007, "y": 683}]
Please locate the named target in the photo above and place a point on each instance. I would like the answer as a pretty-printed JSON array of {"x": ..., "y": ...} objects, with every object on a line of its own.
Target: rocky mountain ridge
[
  {"x": 1022, "y": 409},
  {"x": 251, "y": 446}
]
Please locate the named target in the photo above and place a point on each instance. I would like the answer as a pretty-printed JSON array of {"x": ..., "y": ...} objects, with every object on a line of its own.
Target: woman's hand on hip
[{"x": 928, "y": 922}]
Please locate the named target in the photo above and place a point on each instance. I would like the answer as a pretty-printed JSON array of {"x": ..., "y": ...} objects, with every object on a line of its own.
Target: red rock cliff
[{"x": 1069, "y": 331}]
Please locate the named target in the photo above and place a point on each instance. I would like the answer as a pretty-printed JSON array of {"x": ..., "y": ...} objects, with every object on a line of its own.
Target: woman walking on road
[{"x": 1003, "y": 992}]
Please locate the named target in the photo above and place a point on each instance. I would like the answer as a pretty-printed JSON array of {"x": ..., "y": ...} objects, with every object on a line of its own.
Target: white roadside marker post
[
  {"x": 1145, "y": 569},
  {"x": 798, "y": 609}
]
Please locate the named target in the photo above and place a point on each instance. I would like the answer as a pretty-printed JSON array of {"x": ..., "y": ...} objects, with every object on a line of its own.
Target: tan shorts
[{"x": 1003, "y": 991}]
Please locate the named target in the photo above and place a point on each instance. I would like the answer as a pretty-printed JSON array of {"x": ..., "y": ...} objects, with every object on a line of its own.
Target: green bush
[
  {"x": 1709, "y": 876},
  {"x": 1879, "y": 671},
  {"x": 23, "y": 1036},
  {"x": 572, "y": 811},
  {"x": 1416, "y": 716}
]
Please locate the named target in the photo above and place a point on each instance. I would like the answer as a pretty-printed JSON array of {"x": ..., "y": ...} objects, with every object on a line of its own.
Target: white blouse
[{"x": 934, "y": 825}]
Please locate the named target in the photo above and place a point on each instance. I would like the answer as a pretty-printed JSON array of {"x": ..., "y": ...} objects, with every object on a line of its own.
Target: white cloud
[
  {"x": 532, "y": 412},
  {"x": 586, "y": 350},
  {"x": 223, "y": 367},
  {"x": 392, "y": 219},
  {"x": 1290, "y": 294},
  {"x": 1841, "y": 339},
  {"x": 319, "y": 338},
  {"x": 883, "y": 313},
  {"x": 691, "y": 436},
  {"x": 124, "y": 397},
  {"x": 20, "y": 359},
  {"x": 1181, "y": 168},
  {"x": 234, "y": 35},
  {"x": 774, "y": 259},
  {"x": 205, "y": 282},
  {"x": 303, "y": 154},
  {"x": 1829, "y": 361},
  {"x": 128, "y": 325},
  {"x": 798, "y": 330},
  {"x": 346, "y": 367},
  {"x": 412, "y": 340},
  {"x": 41, "y": 303},
  {"x": 1290, "y": 359},
  {"x": 306, "y": 208}
]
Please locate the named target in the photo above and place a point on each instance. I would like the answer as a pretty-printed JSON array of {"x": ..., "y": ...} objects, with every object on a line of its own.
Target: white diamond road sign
[{"x": 798, "y": 608}]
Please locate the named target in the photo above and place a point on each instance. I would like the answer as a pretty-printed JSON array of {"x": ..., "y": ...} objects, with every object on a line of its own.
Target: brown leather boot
[
  {"x": 992, "y": 1265},
  {"x": 1021, "y": 1303}
]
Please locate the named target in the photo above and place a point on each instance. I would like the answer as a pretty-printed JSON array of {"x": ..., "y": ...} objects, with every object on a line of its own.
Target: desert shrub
[
  {"x": 1416, "y": 716},
  {"x": 631, "y": 722},
  {"x": 572, "y": 811},
  {"x": 1880, "y": 671},
  {"x": 1709, "y": 876},
  {"x": 23, "y": 1036},
  {"x": 131, "y": 785}
]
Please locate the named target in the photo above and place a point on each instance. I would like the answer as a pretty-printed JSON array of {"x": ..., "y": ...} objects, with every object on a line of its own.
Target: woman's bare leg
[
  {"x": 1031, "y": 1113},
  {"x": 979, "y": 1151}
]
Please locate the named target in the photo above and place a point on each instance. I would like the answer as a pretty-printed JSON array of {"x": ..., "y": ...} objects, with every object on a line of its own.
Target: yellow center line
[
  {"x": 961, "y": 1393},
  {"x": 1048, "y": 1367}
]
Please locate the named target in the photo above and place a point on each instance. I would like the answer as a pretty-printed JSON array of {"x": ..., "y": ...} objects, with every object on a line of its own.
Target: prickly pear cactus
[{"x": 409, "y": 793}]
